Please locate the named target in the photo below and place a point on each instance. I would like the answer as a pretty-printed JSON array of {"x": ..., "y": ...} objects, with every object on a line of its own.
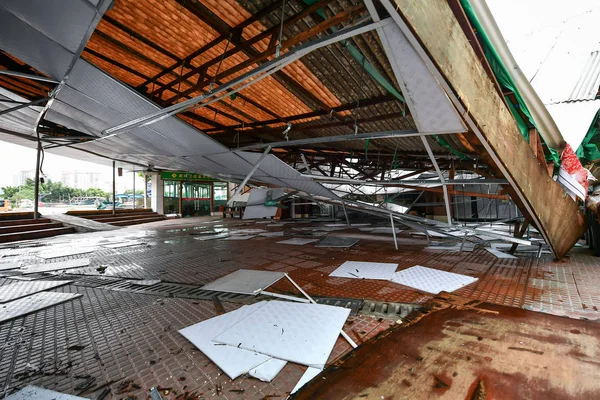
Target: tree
[{"x": 50, "y": 192}]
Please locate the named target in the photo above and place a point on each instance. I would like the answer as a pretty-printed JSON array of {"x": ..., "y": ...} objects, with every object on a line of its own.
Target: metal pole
[
  {"x": 114, "y": 191},
  {"x": 441, "y": 176},
  {"x": 133, "y": 171},
  {"x": 145, "y": 191},
  {"x": 252, "y": 171},
  {"x": 346, "y": 214},
  {"x": 36, "y": 195},
  {"x": 394, "y": 231}
]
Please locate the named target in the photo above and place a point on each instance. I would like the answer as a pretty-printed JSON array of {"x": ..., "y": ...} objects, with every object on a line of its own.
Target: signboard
[
  {"x": 149, "y": 189},
  {"x": 184, "y": 176}
]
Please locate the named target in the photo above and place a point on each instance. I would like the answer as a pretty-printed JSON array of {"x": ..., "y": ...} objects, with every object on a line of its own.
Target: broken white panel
[
  {"x": 465, "y": 247},
  {"x": 56, "y": 266},
  {"x": 10, "y": 265},
  {"x": 298, "y": 241},
  {"x": 30, "y": 392},
  {"x": 570, "y": 184},
  {"x": 144, "y": 282},
  {"x": 66, "y": 252},
  {"x": 256, "y": 209},
  {"x": 232, "y": 360},
  {"x": 429, "y": 106},
  {"x": 240, "y": 237},
  {"x": 346, "y": 225},
  {"x": 212, "y": 237},
  {"x": 246, "y": 231},
  {"x": 124, "y": 244},
  {"x": 500, "y": 254},
  {"x": 268, "y": 370},
  {"x": 296, "y": 332},
  {"x": 245, "y": 281},
  {"x": 35, "y": 302},
  {"x": 365, "y": 270},
  {"x": 431, "y": 280},
  {"x": 308, "y": 376},
  {"x": 17, "y": 290},
  {"x": 430, "y": 233}
]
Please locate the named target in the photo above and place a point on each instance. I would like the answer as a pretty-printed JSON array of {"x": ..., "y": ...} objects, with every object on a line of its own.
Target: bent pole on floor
[
  {"x": 394, "y": 231},
  {"x": 344, "y": 334}
]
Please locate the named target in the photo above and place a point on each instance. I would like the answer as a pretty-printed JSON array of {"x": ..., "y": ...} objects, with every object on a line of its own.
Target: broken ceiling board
[
  {"x": 365, "y": 270},
  {"x": 10, "y": 265},
  {"x": 124, "y": 244},
  {"x": 469, "y": 247},
  {"x": 296, "y": 332},
  {"x": 255, "y": 207},
  {"x": 56, "y": 266},
  {"x": 308, "y": 376},
  {"x": 232, "y": 360},
  {"x": 298, "y": 241},
  {"x": 429, "y": 106},
  {"x": 245, "y": 281},
  {"x": 17, "y": 290},
  {"x": 65, "y": 252},
  {"x": 271, "y": 234},
  {"x": 431, "y": 280},
  {"x": 35, "y": 302},
  {"x": 337, "y": 241},
  {"x": 499, "y": 254},
  {"x": 506, "y": 150},
  {"x": 268, "y": 370},
  {"x": 240, "y": 237},
  {"x": 30, "y": 392}
]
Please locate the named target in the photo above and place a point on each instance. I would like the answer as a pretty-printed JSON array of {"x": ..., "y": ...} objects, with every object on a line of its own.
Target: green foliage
[{"x": 50, "y": 192}]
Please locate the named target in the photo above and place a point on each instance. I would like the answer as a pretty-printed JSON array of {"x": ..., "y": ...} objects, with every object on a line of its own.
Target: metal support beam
[
  {"x": 439, "y": 172},
  {"x": 36, "y": 194},
  {"x": 28, "y": 76},
  {"x": 25, "y": 105},
  {"x": 394, "y": 231},
  {"x": 252, "y": 171},
  {"x": 345, "y": 214},
  {"x": 114, "y": 206},
  {"x": 341, "y": 138},
  {"x": 265, "y": 69}
]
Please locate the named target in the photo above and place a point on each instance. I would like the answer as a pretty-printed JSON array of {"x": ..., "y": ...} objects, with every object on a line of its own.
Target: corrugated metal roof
[{"x": 588, "y": 85}]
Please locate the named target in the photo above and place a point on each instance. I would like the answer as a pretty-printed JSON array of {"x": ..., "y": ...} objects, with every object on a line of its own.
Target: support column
[
  {"x": 114, "y": 191},
  {"x": 181, "y": 199},
  {"x": 36, "y": 195},
  {"x": 133, "y": 172}
]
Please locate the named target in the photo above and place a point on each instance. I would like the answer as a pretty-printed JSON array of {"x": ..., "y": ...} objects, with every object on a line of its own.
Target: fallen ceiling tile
[
  {"x": 365, "y": 270},
  {"x": 431, "y": 280}
]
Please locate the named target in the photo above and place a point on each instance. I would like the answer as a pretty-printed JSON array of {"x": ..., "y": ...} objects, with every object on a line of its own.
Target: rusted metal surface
[
  {"x": 544, "y": 201},
  {"x": 462, "y": 349}
]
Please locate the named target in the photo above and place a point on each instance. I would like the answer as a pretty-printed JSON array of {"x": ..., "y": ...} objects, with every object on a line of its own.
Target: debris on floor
[{"x": 38, "y": 393}]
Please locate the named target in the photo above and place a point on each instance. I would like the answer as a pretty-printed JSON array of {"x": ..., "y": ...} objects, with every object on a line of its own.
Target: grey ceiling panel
[
  {"x": 309, "y": 186},
  {"x": 90, "y": 105},
  {"x": 233, "y": 162},
  {"x": 195, "y": 142},
  {"x": 63, "y": 21},
  {"x": 73, "y": 118},
  {"x": 32, "y": 47},
  {"x": 429, "y": 106}
]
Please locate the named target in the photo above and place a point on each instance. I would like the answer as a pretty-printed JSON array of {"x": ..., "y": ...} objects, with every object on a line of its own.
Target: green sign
[{"x": 184, "y": 176}]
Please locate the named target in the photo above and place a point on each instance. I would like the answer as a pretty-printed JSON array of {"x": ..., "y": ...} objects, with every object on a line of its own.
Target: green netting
[
  {"x": 505, "y": 80},
  {"x": 588, "y": 150}
]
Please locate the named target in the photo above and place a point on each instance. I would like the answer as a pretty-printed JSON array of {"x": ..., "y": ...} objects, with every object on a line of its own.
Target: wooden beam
[{"x": 540, "y": 198}]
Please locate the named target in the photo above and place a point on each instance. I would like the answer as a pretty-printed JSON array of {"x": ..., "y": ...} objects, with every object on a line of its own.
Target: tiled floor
[{"x": 125, "y": 337}]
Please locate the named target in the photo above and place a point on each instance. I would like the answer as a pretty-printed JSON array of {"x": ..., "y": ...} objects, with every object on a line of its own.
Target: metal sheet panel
[
  {"x": 64, "y": 21},
  {"x": 429, "y": 106},
  {"x": 365, "y": 270},
  {"x": 22, "y": 289},
  {"x": 56, "y": 266},
  {"x": 37, "y": 393},
  {"x": 38, "y": 301},
  {"x": 589, "y": 83},
  {"x": 32, "y": 47}
]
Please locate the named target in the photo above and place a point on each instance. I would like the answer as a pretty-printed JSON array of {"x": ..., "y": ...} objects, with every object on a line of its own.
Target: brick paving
[{"x": 128, "y": 342}]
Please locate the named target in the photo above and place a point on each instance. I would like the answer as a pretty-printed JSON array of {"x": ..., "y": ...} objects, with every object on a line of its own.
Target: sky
[{"x": 531, "y": 28}]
